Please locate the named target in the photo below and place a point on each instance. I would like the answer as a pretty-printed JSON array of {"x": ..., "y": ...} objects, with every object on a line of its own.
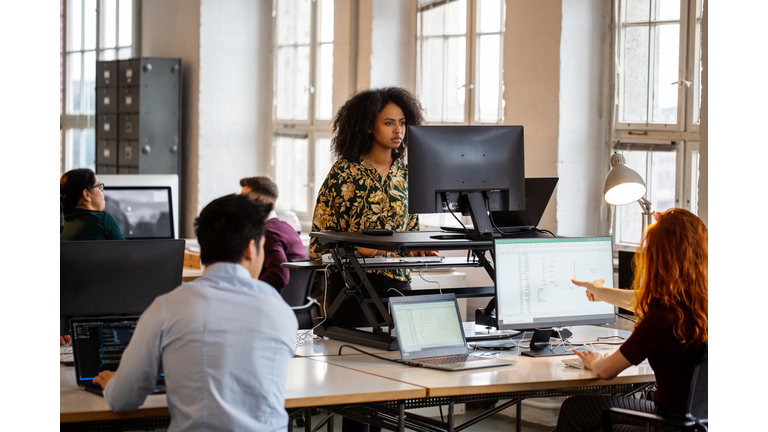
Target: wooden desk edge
[{"x": 73, "y": 417}]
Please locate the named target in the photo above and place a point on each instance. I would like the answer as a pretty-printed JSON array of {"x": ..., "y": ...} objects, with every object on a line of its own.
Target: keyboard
[
  {"x": 574, "y": 363},
  {"x": 461, "y": 358},
  {"x": 426, "y": 259}
]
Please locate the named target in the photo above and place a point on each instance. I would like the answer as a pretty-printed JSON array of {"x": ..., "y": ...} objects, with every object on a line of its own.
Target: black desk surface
[{"x": 402, "y": 241}]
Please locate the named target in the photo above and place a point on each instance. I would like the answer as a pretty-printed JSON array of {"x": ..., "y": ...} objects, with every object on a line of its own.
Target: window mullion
[{"x": 471, "y": 45}]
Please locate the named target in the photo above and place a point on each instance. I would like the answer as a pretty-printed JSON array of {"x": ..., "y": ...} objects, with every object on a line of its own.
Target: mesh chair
[
  {"x": 297, "y": 295},
  {"x": 696, "y": 417}
]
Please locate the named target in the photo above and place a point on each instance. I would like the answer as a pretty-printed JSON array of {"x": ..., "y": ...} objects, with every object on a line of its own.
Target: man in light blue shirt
[{"x": 224, "y": 341}]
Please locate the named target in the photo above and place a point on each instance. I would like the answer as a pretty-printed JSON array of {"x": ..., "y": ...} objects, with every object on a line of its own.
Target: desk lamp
[{"x": 624, "y": 185}]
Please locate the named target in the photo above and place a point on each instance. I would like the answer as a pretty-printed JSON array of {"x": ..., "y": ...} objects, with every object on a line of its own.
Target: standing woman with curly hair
[
  {"x": 670, "y": 298},
  {"x": 82, "y": 204},
  {"x": 368, "y": 186}
]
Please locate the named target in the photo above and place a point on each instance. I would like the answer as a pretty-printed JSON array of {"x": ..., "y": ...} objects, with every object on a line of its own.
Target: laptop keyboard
[{"x": 461, "y": 358}]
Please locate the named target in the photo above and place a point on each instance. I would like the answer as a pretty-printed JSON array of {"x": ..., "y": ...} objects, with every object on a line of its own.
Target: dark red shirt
[
  {"x": 281, "y": 244},
  {"x": 653, "y": 339}
]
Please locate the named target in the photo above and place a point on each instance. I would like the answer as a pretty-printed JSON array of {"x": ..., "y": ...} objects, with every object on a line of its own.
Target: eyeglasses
[{"x": 99, "y": 185}]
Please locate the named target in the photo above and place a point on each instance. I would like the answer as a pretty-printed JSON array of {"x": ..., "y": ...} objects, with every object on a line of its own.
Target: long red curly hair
[{"x": 671, "y": 272}]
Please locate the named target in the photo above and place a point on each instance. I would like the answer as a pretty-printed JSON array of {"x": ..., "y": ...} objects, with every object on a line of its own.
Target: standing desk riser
[{"x": 343, "y": 245}]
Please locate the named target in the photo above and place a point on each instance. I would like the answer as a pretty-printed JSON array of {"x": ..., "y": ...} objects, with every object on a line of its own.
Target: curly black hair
[{"x": 351, "y": 139}]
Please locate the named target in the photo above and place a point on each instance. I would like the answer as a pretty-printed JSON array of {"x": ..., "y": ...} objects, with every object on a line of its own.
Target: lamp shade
[{"x": 623, "y": 185}]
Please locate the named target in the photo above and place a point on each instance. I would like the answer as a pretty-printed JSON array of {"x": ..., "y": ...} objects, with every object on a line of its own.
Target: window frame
[
  {"x": 693, "y": 75},
  {"x": 684, "y": 135},
  {"x": 312, "y": 128},
  {"x": 86, "y": 121},
  {"x": 679, "y": 125},
  {"x": 471, "y": 110}
]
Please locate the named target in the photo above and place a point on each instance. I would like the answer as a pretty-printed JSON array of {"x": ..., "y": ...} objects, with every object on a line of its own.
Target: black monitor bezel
[
  {"x": 116, "y": 277},
  {"x": 107, "y": 189},
  {"x": 431, "y": 157}
]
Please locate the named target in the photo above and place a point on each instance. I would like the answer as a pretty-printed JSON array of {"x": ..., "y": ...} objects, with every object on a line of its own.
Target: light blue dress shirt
[{"x": 224, "y": 342}]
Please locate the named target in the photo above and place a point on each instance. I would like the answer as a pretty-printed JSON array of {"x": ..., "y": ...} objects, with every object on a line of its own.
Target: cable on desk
[
  {"x": 446, "y": 201},
  {"x": 568, "y": 340},
  {"x": 301, "y": 338},
  {"x": 373, "y": 355},
  {"x": 427, "y": 280}
]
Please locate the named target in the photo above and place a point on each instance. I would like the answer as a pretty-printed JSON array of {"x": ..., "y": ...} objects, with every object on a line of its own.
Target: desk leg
[
  {"x": 401, "y": 416},
  {"x": 308, "y": 420},
  {"x": 450, "y": 414},
  {"x": 519, "y": 414}
]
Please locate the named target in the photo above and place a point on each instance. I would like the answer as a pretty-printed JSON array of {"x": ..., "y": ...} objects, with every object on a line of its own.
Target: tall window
[
  {"x": 459, "y": 60},
  {"x": 656, "y": 111},
  {"x": 303, "y": 108},
  {"x": 91, "y": 30}
]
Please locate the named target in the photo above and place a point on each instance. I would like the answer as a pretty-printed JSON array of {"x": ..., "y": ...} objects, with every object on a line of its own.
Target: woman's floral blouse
[{"x": 354, "y": 197}]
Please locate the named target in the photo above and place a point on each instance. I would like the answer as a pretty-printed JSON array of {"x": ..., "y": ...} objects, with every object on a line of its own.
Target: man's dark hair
[
  {"x": 226, "y": 226},
  {"x": 351, "y": 139},
  {"x": 261, "y": 186},
  {"x": 71, "y": 187}
]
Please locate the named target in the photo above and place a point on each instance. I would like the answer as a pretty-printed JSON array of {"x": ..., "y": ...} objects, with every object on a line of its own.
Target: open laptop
[
  {"x": 98, "y": 344},
  {"x": 538, "y": 192},
  {"x": 430, "y": 334}
]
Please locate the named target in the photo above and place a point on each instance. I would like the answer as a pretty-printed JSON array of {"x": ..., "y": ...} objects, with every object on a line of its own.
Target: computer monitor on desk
[
  {"x": 143, "y": 212},
  {"x": 534, "y": 288},
  {"x": 466, "y": 169},
  {"x": 116, "y": 277}
]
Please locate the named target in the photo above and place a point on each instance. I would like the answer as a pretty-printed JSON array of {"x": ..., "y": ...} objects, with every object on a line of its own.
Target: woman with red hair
[{"x": 669, "y": 297}]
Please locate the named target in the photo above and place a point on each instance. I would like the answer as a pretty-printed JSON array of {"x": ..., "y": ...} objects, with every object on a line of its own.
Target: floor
[{"x": 503, "y": 421}]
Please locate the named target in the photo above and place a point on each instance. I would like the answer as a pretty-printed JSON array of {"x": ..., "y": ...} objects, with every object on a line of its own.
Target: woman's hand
[
  {"x": 422, "y": 253},
  {"x": 592, "y": 288},
  {"x": 588, "y": 358},
  {"x": 369, "y": 253}
]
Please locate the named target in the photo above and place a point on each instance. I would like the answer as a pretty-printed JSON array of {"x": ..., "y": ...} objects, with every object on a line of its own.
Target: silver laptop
[{"x": 430, "y": 334}]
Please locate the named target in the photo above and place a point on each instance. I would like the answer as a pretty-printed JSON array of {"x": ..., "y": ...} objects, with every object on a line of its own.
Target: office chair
[
  {"x": 696, "y": 418},
  {"x": 297, "y": 295}
]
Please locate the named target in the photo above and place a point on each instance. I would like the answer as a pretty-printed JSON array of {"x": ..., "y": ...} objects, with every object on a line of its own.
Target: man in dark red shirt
[{"x": 282, "y": 242}]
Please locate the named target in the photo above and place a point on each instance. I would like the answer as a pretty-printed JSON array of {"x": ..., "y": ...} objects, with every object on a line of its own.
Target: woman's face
[
  {"x": 389, "y": 129},
  {"x": 97, "y": 196}
]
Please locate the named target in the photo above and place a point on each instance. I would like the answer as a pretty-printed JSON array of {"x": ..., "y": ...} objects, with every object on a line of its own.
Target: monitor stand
[{"x": 540, "y": 346}]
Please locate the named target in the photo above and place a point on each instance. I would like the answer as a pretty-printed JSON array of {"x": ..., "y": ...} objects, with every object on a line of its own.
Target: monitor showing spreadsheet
[{"x": 533, "y": 281}]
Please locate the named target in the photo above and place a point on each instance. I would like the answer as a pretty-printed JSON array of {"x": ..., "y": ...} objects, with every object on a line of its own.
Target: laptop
[
  {"x": 538, "y": 192},
  {"x": 98, "y": 344},
  {"x": 430, "y": 334}
]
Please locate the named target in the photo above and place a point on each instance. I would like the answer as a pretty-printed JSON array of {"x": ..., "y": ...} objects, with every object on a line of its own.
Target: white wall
[
  {"x": 531, "y": 87},
  {"x": 582, "y": 156},
  {"x": 393, "y": 44},
  {"x": 225, "y": 48},
  {"x": 235, "y": 95}
]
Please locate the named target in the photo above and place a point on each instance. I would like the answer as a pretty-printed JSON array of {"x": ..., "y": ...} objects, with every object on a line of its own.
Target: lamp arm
[{"x": 647, "y": 214}]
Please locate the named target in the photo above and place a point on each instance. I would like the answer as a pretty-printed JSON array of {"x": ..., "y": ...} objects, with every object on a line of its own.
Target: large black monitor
[
  {"x": 467, "y": 169},
  {"x": 143, "y": 212},
  {"x": 534, "y": 288},
  {"x": 116, "y": 277}
]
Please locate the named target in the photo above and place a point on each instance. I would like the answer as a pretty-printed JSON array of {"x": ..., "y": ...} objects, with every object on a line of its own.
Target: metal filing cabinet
[{"x": 138, "y": 116}]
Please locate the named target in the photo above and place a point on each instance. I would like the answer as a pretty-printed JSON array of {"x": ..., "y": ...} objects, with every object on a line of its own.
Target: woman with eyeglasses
[{"x": 82, "y": 201}]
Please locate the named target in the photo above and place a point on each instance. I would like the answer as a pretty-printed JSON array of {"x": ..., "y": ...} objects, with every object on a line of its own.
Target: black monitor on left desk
[
  {"x": 116, "y": 277},
  {"x": 466, "y": 169}
]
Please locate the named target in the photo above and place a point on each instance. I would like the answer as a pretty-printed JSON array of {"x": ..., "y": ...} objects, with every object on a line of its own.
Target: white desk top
[
  {"x": 310, "y": 383},
  {"x": 524, "y": 373},
  {"x": 314, "y": 383}
]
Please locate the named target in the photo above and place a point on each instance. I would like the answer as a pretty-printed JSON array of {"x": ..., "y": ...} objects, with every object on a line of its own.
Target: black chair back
[
  {"x": 698, "y": 396},
  {"x": 297, "y": 295}
]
